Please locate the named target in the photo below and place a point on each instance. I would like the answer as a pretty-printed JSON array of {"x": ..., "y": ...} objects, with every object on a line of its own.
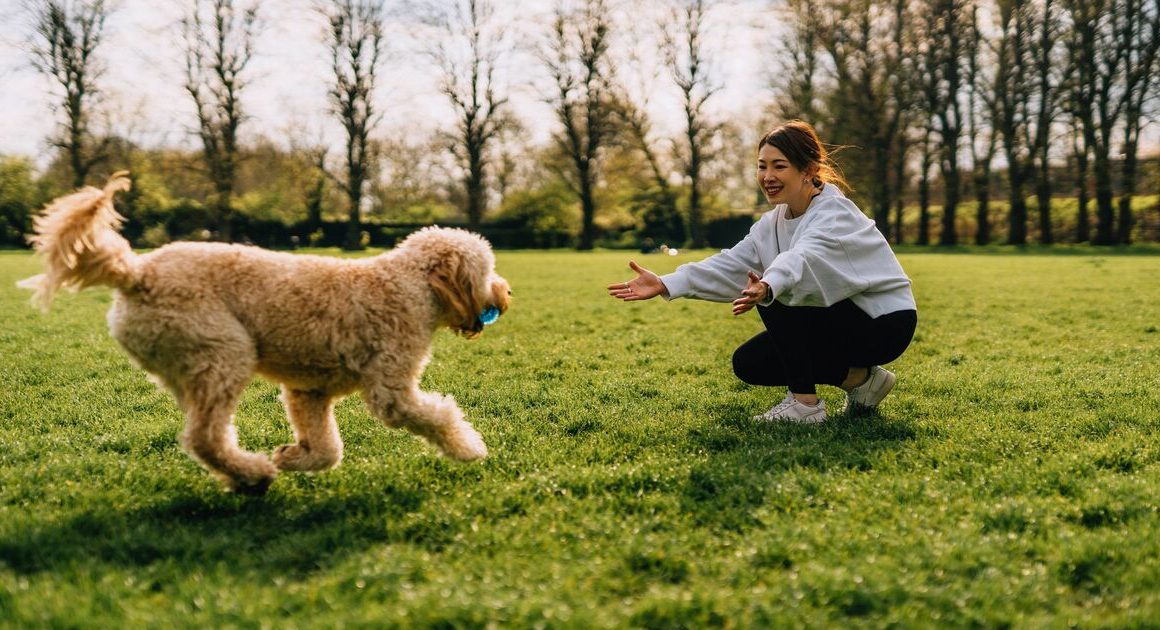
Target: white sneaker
[
  {"x": 866, "y": 396},
  {"x": 790, "y": 410}
]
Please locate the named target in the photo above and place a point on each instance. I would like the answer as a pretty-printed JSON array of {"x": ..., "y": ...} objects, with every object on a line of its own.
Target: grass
[{"x": 1011, "y": 479}]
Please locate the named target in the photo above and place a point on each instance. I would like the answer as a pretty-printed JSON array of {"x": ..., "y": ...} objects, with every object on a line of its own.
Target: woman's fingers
[{"x": 754, "y": 277}]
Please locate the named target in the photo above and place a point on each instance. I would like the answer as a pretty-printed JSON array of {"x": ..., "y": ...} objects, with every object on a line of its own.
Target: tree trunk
[
  {"x": 1128, "y": 183},
  {"x": 588, "y": 213},
  {"x": 1043, "y": 200},
  {"x": 1105, "y": 212},
  {"x": 1083, "y": 224},
  {"x": 353, "y": 239},
  {"x": 225, "y": 218},
  {"x": 983, "y": 211},
  {"x": 924, "y": 208},
  {"x": 474, "y": 188},
  {"x": 696, "y": 220},
  {"x": 882, "y": 195},
  {"x": 948, "y": 234},
  {"x": 898, "y": 220}
]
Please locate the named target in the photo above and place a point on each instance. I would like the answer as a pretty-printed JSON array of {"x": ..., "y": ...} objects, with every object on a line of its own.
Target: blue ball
[{"x": 489, "y": 315}]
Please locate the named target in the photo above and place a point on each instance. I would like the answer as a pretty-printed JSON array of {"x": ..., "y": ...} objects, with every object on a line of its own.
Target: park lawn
[{"x": 1011, "y": 478}]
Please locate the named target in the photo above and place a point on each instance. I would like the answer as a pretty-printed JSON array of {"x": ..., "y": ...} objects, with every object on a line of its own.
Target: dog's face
[{"x": 463, "y": 278}]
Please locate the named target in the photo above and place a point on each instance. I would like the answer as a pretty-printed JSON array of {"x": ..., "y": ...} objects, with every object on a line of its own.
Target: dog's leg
[
  {"x": 318, "y": 445},
  {"x": 209, "y": 400},
  {"x": 434, "y": 417}
]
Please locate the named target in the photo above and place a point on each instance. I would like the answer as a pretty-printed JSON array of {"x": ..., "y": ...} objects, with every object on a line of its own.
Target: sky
[
  {"x": 286, "y": 99},
  {"x": 287, "y": 96}
]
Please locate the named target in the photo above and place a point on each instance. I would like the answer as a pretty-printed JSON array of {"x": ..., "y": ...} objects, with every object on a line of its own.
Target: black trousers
[{"x": 803, "y": 346}]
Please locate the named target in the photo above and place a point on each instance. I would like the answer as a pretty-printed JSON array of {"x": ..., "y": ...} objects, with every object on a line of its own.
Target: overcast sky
[{"x": 142, "y": 54}]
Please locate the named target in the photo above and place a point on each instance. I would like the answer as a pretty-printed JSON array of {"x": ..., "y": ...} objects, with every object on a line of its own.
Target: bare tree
[
  {"x": 355, "y": 42},
  {"x": 1009, "y": 96},
  {"x": 1042, "y": 55},
  {"x": 870, "y": 106},
  {"x": 1141, "y": 31},
  {"x": 686, "y": 58},
  {"x": 982, "y": 138},
  {"x": 577, "y": 59},
  {"x": 926, "y": 158},
  {"x": 798, "y": 87},
  {"x": 468, "y": 54},
  {"x": 1099, "y": 46},
  {"x": 219, "y": 41},
  {"x": 657, "y": 205},
  {"x": 945, "y": 27},
  {"x": 67, "y": 35}
]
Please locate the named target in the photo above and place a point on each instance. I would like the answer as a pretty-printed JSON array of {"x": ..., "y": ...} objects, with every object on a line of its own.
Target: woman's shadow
[{"x": 748, "y": 459}]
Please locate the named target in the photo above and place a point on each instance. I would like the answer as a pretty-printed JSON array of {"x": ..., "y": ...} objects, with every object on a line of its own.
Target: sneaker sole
[{"x": 810, "y": 420}]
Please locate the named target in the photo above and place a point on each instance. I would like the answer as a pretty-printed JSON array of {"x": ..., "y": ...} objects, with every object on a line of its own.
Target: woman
[{"x": 835, "y": 302}]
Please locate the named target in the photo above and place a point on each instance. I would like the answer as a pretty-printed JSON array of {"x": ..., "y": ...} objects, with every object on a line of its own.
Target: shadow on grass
[
  {"x": 746, "y": 455},
  {"x": 272, "y": 535},
  {"x": 841, "y": 442}
]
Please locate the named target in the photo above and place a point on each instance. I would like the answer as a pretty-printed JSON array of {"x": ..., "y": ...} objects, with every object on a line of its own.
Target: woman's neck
[{"x": 798, "y": 207}]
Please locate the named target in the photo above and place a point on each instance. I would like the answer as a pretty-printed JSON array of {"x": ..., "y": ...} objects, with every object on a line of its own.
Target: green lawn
[{"x": 1011, "y": 478}]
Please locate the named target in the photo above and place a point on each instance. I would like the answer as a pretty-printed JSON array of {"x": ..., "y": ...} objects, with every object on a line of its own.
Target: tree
[
  {"x": 67, "y": 35},
  {"x": 219, "y": 41},
  {"x": 577, "y": 59},
  {"x": 1097, "y": 56},
  {"x": 870, "y": 105},
  {"x": 1080, "y": 153},
  {"x": 1041, "y": 56},
  {"x": 1009, "y": 97},
  {"x": 944, "y": 29},
  {"x": 468, "y": 54},
  {"x": 926, "y": 158},
  {"x": 354, "y": 40},
  {"x": 1141, "y": 30},
  {"x": 18, "y": 199},
  {"x": 797, "y": 88},
  {"x": 981, "y": 137},
  {"x": 685, "y": 56}
]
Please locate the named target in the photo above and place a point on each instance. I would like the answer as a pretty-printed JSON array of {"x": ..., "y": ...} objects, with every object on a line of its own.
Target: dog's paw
[
  {"x": 466, "y": 445},
  {"x": 300, "y": 458}
]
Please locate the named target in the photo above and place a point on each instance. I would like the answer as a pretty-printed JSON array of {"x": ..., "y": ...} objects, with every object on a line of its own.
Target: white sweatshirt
[{"x": 829, "y": 253}]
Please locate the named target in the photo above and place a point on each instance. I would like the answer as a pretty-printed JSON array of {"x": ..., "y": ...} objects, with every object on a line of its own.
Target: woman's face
[{"x": 780, "y": 180}]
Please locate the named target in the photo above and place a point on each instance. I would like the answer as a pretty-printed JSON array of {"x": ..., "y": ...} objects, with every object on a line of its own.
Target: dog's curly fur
[{"x": 202, "y": 318}]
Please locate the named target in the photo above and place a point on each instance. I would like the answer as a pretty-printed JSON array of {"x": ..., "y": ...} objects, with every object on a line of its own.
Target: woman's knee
[{"x": 751, "y": 367}]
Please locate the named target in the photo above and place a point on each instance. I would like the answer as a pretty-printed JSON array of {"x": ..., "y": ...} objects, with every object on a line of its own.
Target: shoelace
[{"x": 780, "y": 407}]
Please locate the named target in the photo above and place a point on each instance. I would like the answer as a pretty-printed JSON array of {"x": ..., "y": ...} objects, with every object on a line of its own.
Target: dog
[{"x": 203, "y": 318}]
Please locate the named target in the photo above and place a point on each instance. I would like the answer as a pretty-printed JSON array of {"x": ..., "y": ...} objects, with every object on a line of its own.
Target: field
[{"x": 1011, "y": 478}]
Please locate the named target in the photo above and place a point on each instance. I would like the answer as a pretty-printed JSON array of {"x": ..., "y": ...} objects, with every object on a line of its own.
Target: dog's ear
[{"x": 453, "y": 281}]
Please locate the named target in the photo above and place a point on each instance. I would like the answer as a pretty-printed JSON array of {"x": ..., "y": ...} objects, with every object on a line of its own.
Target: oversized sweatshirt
[{"x": 829, "y": 253}]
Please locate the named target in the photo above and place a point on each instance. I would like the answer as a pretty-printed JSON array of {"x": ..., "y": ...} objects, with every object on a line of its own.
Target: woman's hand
[
  {"x": 754, "y": 293},
  {"x": 644, "y": 286}
]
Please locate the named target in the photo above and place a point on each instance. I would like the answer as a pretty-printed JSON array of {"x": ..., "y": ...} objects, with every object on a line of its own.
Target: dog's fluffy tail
[{"x": 77, "y": 237}]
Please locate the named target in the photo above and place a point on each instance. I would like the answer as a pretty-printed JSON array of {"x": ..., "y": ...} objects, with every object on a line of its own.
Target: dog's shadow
[{"x": 272, "y": 535}]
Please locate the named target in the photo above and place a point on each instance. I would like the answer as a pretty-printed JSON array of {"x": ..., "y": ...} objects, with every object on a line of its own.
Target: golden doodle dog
[{"x": 203, "y": 318}]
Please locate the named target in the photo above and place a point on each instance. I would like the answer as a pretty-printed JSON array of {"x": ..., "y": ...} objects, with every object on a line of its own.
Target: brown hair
[{"x": 798, "y": 141}]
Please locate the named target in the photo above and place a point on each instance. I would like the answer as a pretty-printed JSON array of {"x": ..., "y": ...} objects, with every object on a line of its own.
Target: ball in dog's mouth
[{"x": 489, "y": 315}]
